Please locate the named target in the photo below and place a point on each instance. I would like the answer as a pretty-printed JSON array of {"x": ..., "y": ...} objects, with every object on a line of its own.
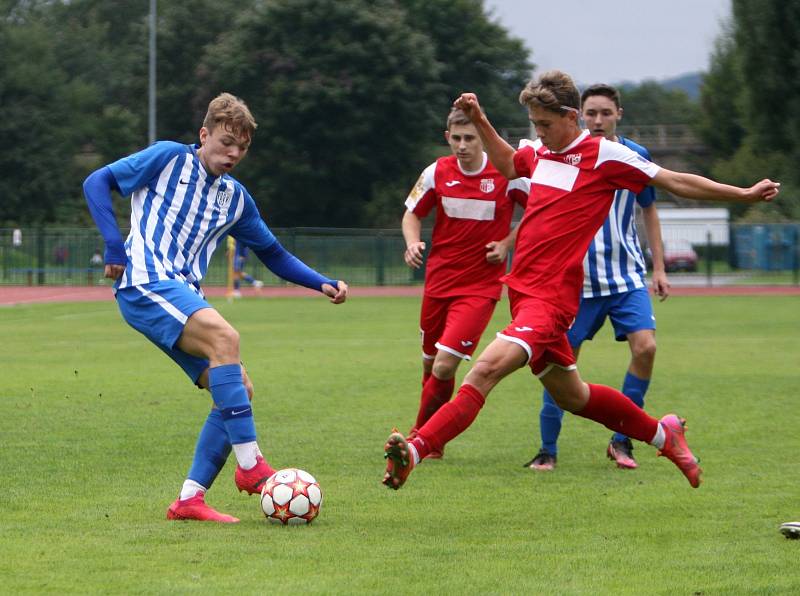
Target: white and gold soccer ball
[{"x": 291, "y": 497}]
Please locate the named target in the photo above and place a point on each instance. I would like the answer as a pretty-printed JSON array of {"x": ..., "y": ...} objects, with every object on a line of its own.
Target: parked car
[{"x": 679, "y": 256}]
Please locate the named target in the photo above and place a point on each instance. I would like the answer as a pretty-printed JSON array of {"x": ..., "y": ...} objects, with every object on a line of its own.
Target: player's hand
[
  {"x": 468, "y": 103},
  {"x": 496, "y": 252},
  {"x": 113, "y": 271},
  {"x": 661, "y": 285},
  {"x": 413, "y": 254},
  {"x": 766, "y": 190},
  {"x": 338, "y": 294}
]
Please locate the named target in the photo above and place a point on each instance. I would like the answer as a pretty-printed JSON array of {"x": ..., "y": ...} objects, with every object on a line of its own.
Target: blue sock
[
  {"x": 249, "y": 278},
  {"x": 634, "y": 388},
  {"x": 550, "y": 423},
  {"x": 236, "y": 283},
  {"x": 213, "y": 448},
  {"x": 230, "y": 396}
]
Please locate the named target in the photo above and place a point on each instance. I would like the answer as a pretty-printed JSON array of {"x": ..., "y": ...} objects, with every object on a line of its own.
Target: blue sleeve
[
  {"x": 284, "y": 264},
  {"x": 97, "y": 189},
  {"x": 648, "y": 195},
  {"x": 137, "y": 170}
]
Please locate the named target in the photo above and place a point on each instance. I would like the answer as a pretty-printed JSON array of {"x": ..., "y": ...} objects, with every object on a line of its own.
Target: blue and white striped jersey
[
  {"x": 614, "y": 263},
  {"x": 180, "y": 214}
]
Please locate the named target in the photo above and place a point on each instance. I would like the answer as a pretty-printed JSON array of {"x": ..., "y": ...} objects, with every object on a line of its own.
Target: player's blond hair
[
  {"x": 232, "y": 113},
  {"x": 553, "y": 90}
]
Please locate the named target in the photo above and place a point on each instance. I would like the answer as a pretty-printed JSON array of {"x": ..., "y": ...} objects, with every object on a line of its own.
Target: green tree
[
  {"x": 651, "y": 103},
  {"x": 185, "y": 31},
  {"x": 750, "y": 102},
  {"x": 343, "y": 91},
  {"x": 767, "y": 34},
  {"x": 38, "y": 104},
  {"x": 475, "y": 54},
  {"x": 722, "y": 127}
]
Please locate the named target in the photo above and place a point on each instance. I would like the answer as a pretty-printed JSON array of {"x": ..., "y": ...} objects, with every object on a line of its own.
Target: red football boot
[
  {"x": 399, "y": 462},
  {"x": 195, "y": 508},
  {"x": 252, "y": 481},
  {"x": 676, "y": 449}
]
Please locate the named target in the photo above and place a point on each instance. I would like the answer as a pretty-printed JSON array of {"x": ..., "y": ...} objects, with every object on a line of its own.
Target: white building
[{"x": 694, "y": 225}]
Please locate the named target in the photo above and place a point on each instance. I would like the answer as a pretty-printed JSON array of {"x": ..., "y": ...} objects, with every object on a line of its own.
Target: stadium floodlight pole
[{"x": 151, "y": 92}]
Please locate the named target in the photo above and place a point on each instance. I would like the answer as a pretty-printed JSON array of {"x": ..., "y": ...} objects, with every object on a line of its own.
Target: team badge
[
  {"x": 224, "y": 197},
  {"x": 573, "y": 159},
  {"x": 487, "y": 185}
]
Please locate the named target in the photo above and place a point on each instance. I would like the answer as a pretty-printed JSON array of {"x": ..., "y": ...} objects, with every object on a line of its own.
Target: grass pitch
[{"x": 98, "y": 430}]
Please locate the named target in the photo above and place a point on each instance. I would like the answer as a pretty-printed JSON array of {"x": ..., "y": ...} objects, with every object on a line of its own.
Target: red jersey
[
  {"x": 472, "y": 209},
  {"x": 571, "y": 194}
]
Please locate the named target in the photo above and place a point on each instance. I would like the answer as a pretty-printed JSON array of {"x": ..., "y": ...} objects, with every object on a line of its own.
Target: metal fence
[{"x": 746, "y": 254}]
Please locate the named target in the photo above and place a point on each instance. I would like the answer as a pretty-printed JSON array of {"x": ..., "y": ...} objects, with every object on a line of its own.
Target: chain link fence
[{"x": 694, "y": 255}]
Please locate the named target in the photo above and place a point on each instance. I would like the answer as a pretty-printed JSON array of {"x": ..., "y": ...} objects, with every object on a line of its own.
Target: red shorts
[
  {"x": 541, "y": 330},
  {"x": 454, "y": 325}
]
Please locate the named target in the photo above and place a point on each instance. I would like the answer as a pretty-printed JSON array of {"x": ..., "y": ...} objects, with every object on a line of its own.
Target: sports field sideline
[{"x": 10, "y": 295}]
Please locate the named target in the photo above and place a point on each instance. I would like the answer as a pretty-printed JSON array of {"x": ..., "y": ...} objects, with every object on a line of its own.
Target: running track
[{"x": 11, "y": 295}]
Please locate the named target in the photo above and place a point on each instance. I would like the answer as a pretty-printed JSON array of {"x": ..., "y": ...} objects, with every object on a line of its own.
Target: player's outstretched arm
[
  {"x": 692, "y": 186},
  {"x": 500, "y": 153}
]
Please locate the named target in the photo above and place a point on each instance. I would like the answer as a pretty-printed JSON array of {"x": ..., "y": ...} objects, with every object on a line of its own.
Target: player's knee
[
  {"x": 226, "y": 344},
  {"x": 644, "y": 351},
  {"x": 484, "y": 371},
  {"x": 445, "y": 370}
]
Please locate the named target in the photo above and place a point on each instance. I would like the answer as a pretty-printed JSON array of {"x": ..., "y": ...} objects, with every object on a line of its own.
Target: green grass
[{"x": 98, "y": 429}]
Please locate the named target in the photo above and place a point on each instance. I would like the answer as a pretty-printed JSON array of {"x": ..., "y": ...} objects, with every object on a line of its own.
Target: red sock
[
  {"x": 451, "y": 420},
  {"x": 612, "y": 409},
  {"x": 435, "y": 394}
]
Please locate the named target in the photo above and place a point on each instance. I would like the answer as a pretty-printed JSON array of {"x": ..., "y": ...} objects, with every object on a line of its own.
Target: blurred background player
[
  {"x": 574, "y": 178},
  {"x": 240, "y": 253},
  {"x": 184, "y": 202},
  {"x": 614, "y": 285},
  {"x": 471, "y": 238}
]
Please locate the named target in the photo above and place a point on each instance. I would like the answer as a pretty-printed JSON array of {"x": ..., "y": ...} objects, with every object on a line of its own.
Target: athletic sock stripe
[{"x": 237, "y": 412}]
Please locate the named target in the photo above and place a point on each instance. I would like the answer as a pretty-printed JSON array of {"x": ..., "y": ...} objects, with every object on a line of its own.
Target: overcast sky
[{"x": 615, "y": 40}]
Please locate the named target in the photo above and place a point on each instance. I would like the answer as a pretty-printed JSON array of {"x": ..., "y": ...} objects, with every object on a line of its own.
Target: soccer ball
[{"x": 291, "y": 497}]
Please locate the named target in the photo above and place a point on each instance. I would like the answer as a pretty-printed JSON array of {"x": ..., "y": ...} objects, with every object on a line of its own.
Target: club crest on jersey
[
  {"x": 487, "y": 185},
  {"x": 573, "y": 159},
  {"x": 224, "y": 197}
]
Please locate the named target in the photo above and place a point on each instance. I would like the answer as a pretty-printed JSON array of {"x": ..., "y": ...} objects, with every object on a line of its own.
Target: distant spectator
[
  {"x": 16, "y": 237},
  {"x": 97, "y": 259},
  {"x": 61, "y": 254}
]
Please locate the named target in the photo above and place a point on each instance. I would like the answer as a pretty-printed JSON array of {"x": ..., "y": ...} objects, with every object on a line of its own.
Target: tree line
[{"x": 350, "y": 96}]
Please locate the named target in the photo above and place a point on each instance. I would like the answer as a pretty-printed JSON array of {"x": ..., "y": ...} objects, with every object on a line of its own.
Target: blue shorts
[
  {"x": 159, "y": 311},
  {"x": 629, "y": 312}
]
